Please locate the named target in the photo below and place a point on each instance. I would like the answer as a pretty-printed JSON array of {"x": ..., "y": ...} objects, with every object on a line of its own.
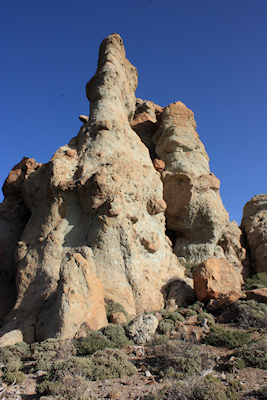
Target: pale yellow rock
[
  {"x": 11, "y": 338},
  {"x": 90, "y": 206}
]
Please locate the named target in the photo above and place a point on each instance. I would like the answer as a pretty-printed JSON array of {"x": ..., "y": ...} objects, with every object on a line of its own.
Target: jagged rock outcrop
[
  {"x": 90, "y": 224},
  {"x": 195, "y": 211},
  {"x": 96, "y": 224},
  {"x": 197, "y": 221},
  {"x": 254, "y": 224}
]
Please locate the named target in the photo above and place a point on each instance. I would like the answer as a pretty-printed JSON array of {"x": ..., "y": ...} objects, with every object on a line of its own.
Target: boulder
[
  {"x": 215, "y": 278},
  {"x": 142, "y": 328},
  {"x": 254, "y": 224},
  {"x": 11, "y": 338},
  {"x": 118, "y": 318},
  {"x": 260, "y": 295},
  {"x": 180, "y": 294}
]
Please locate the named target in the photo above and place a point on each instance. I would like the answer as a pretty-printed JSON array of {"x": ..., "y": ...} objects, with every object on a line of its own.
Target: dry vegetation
[{"x": 230, "y": 362}]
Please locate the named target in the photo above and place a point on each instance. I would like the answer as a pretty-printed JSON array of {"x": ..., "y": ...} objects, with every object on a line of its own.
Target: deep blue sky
[{"x": 209, "y": 54}]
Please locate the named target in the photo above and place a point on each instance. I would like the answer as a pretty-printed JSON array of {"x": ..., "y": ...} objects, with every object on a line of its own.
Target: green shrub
[
  {"x": 164, "y": 313},
  {"x": 257, "y": 281},
  {"x": 251, "y": 314},
  {"x": 210, "y": 388},
  {"x": 74, "y": 365},
  {"x": 16, "y": 377},
  {"x": 110, "y": 364},
  {"x": 197, "y": 306},
  {"x": 222, "y": 337},
  {"x": 175, "y": 359},
  {"x": 235, "y": 383},
  {"x": 116, "y": 334},
  {"x": 47, "y": 388},
  {"x": 254, "y": 355},
  {"x": 103, "y": 364},
  {"x": 11, "y": 362},
  {"x": 113, "y": 307},
  {"x": 261, "y": 393},
  {"x": 93, "y": 342},
  {"x": 207, "y": 388},
  {"x": 176, "y": 316},
  {"x": 190, "y": 313},
  {"x": 165, "y": 326},
  {"x": 202, "y": 315}
]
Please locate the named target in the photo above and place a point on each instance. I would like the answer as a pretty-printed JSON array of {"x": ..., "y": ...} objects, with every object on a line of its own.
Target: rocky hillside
[{"x": 119, "y": 214}]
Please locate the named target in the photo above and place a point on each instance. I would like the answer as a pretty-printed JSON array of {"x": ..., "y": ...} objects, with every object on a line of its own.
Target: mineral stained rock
[
  {"x": 94, "y": 223},
  {"x": 254, "y": 224}
]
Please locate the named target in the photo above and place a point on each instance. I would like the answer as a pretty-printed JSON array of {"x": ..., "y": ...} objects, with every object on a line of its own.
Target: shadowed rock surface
[{"x": 254, "y": 223}]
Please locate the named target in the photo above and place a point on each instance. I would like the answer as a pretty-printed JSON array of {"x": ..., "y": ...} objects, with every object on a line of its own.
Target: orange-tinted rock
[
  {"x": 215, "y": 278},
  {"x": 118, "y": 318},
  {"x": 17, "y": 175},
  {"x": 159, "y": 165}
]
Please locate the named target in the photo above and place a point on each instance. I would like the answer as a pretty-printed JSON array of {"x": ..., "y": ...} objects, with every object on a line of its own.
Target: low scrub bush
[
  {"x": 110, "y": 364},
  {"x": 253, "y": 355},
  {"x": 11, "y": 362},
  {"x": 222, "y": 337},
  {"x": 15, "y": 377},
  {"x": 94, "y": 341},
  {"x": 251, "y": 314},
  {"x": 261, "y": 393},
  {"x": 210, "y": 318},
  {"x": 116, "y": 334},
  {"x": 190, "y": 313},
  {"x": 103, "y": 364},
  {"x": 257, "y": 281},
  {"x": 165, "y": 326},
  {"x": 176, "y": 316},
  {"x": 207, "y": 388},
  {"x": 176, "y": 359}
]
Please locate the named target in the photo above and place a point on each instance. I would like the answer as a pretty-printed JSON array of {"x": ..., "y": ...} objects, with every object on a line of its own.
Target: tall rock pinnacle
[{"x": 97, "y": 225}]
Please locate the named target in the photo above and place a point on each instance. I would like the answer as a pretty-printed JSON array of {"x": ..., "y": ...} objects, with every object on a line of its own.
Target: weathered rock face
[
  {"x": 197, "y": 221},
  {"x": 254, "y": 224},
  {"x": 97, "y": 224},
  {"x": 195, "y": 210},
  {"x": 215, "y": 278}
]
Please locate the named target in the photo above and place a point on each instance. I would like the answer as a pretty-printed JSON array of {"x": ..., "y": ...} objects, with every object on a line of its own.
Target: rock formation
[
  {"x": 215, "y": 279},
  {"x": 97, "y": 224},
  {"x": 90, "y": 224},
  {"x": 254, "y": 224}
]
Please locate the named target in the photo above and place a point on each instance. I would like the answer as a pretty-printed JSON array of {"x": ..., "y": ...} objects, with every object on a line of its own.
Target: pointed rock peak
[{"x": 114, "y": 84}]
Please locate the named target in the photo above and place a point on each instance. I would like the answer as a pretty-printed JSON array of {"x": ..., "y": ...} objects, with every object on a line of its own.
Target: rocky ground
[{"x": 219, "y": 362}]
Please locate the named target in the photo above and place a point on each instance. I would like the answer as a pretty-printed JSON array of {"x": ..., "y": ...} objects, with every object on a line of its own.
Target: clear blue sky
[{"x": 209, "y": 54}]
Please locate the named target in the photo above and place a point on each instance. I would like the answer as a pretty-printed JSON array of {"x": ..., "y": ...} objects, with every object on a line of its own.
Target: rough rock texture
[
  {"x": 260, "y": 295},
  {"x": 195, "y": 210},
  {"x": 254, "y": 224},
  {"x": 11, "y": 338},
  {"x": 95, "y": 224},
  {"x": 215, "y": 278},
  {"x": 14, "y": 215},
  {"x": 142, "y": 328},
  {"x": 197, "y": 221}
]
